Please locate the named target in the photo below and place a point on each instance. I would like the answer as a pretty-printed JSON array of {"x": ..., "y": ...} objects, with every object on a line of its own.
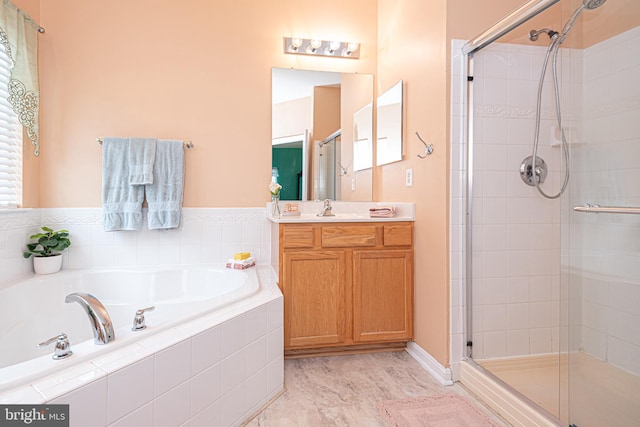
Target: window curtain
[{"x": 19, "y": 35}]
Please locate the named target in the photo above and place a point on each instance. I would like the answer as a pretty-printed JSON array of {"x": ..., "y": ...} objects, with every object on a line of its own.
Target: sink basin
[
  {"x": 343, "y": 216},
  {"x": 343, "y": 212},
  {"x": 338, "y": 217}
]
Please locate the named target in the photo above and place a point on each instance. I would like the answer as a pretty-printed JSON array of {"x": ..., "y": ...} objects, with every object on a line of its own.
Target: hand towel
[
  {"x": 121, "y": 202},
  {"x": 142, "y": 154},
  {"x": 164, "y": 196},
  {"x": 382, "y": 212}
]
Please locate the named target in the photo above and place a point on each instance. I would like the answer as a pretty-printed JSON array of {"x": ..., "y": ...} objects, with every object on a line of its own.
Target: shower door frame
[{"x": 484, "y": 39}]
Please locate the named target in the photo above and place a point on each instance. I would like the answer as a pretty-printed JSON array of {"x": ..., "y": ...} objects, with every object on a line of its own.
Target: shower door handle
[{"x": 588, "y": 208}]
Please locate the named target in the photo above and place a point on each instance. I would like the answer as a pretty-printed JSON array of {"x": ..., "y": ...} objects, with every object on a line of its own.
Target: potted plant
[{"x": 47, "y": 258}]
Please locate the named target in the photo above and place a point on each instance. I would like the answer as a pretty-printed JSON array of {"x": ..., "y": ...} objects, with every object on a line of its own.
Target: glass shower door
[{"x": 602, "y": 256}]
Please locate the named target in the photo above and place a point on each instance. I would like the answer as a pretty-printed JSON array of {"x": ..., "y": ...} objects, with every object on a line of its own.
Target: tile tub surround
[
  {"x": 16, "y": 225},
  {"x": 207, "y": 235},
  {"x": 217, "y": 370}
]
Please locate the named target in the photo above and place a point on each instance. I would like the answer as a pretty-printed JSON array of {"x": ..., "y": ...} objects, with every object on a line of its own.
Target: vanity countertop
[{"x": 343, "y": 212}]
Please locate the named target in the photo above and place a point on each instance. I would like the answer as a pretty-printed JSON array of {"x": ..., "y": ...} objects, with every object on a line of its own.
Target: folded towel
[
  {"x": 382, "y": 212},
  {"x": 142, "y": 153},
  {"x": 164, "y": 196},
  {"x": 121, "y": 202}
]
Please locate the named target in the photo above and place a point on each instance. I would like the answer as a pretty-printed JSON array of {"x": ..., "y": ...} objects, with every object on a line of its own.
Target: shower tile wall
[
  {"x": 605, "y": 249},
  {"x": 208, "y": 235},
  {"x": 516, "y": 232}
]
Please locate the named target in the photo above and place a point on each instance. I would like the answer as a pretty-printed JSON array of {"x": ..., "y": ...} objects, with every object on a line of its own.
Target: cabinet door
[
  {"x": 314, "y": 303},
  {"x": 383, "y": 295}
]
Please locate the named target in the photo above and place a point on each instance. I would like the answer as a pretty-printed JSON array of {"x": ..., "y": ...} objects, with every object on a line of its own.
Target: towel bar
[
  {"x": 607, "y": 209},
  {"x": 187, "y": 144}
]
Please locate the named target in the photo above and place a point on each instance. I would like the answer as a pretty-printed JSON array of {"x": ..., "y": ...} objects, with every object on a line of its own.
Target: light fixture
[{"x": 321, "y": 47}]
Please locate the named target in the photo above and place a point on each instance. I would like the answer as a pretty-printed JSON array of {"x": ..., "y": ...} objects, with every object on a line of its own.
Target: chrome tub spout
[{"x": 98, "y": 316}]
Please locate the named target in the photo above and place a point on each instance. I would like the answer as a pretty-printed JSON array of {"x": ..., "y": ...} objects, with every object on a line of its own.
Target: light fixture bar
[{"x": 315, "y": 47}]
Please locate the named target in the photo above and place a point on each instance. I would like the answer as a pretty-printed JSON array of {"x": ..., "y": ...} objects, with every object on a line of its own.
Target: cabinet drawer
[
  {"x": 398, "y": 235},
  {"x": 348, "y": 236},
  {"x": 297, "y": 237}
]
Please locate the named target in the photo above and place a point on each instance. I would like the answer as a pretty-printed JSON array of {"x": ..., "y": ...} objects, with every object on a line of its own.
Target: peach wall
[
  {"x": 193, "y": 70},
  {"x": 413, "y": 48}
]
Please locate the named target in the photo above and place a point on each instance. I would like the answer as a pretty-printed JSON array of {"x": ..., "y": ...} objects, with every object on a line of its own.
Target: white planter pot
[{"x": 48, "y": 264}]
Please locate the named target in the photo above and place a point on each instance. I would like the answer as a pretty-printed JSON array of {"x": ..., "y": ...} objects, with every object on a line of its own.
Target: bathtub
[{"x": 194, "y": 306}]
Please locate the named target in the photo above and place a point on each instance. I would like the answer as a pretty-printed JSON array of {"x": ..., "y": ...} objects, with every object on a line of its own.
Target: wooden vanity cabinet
[{"x": 346, "y": 286}]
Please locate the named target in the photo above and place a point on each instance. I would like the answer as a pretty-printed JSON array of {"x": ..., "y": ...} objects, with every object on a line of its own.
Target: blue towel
[
  {"x": 164, "y": 196},
  {"x": 121, "y": 202},
  {"x": 142, "y": 154}
]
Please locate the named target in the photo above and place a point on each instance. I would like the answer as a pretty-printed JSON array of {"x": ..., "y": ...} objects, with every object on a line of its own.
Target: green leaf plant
[{"x": 49, "y": 243}]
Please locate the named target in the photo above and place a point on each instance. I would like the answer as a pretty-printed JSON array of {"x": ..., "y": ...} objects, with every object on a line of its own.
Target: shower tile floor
[
  {"x": 598, "y": 393},
  {"x": 344, "y": 390}
]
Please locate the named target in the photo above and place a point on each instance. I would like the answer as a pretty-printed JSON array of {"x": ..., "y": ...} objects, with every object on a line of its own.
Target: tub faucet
[
  {"x": 98, "y": 316},
  {"x": 326, "y": 209}
]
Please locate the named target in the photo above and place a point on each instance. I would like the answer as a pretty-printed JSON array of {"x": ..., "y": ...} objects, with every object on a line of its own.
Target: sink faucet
[
  {"x": 326, "y": 209},
  {"x": 98, "y": 316}
]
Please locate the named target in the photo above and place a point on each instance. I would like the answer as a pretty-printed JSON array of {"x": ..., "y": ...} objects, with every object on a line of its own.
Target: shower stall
[{"x": 545, "y": 214}]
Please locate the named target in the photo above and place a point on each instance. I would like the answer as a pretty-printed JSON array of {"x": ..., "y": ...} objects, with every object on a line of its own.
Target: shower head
[
  {"x": 586, "y": 4},
  {"x": 592, "y": 4}
]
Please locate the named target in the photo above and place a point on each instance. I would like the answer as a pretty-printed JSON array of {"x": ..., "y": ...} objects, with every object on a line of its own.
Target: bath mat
[{"x": 447, "y": 410}]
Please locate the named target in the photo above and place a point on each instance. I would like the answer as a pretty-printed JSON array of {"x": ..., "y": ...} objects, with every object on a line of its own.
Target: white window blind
[{"x": 10, "y": 142}]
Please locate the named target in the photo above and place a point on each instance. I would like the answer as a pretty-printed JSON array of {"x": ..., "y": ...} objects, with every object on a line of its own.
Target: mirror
[
  {"x": 389, "y": 126},
  {"x": 321, "y": 122}
]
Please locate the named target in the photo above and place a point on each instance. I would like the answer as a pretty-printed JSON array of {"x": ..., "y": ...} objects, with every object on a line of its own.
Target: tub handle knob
[
  {"x": 138, "y": 321},
  {"x": 62, "y": 349}
]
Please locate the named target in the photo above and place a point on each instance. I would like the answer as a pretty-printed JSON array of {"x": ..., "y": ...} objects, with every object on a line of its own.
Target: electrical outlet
[
  {"x": 353, "y": 184},
  {"x": 409, "y": 177}
]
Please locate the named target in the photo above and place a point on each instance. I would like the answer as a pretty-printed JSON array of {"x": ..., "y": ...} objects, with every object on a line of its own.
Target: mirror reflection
[
  {"x": 322, "y": 135},
  {"x": 389, "y": 125}
]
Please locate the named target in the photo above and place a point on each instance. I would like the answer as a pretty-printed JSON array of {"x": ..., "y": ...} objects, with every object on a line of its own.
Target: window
[{"x": 10, "y": 142}]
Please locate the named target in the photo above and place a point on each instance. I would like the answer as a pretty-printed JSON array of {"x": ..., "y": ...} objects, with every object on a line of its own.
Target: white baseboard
[{"x": 428, "y": 362}]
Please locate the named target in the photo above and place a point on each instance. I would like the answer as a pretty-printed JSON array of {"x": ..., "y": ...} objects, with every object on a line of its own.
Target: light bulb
[
  {"x": 313, "y": 46},
  {"x": 296, "y": 42}
]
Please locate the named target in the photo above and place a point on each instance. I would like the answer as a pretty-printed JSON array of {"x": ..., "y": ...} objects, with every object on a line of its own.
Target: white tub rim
[{"x": 96, "y": 362}]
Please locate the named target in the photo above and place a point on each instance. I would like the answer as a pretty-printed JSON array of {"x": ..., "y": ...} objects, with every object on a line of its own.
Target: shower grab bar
[{"x": 588, "y": 208}]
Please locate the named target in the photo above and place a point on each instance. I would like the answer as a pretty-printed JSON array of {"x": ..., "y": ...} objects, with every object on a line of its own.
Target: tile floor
[{"x": 343, "y": 390}]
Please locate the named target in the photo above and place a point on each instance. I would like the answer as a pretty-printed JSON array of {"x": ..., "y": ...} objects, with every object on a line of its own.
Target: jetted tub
[{"x": 34, "y": 310}]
